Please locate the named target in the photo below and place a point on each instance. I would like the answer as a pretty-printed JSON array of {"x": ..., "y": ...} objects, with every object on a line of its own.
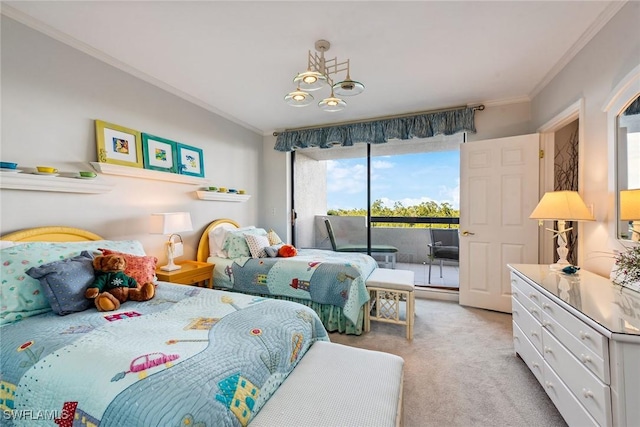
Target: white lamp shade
[
  {"x": 169, "y": 223},
  {"x": 562, "y": 205},
  {"x": 630, "y": 205}
]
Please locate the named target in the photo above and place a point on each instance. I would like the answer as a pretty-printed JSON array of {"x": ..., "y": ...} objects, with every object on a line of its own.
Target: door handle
[{"x": 468, "y": 233}]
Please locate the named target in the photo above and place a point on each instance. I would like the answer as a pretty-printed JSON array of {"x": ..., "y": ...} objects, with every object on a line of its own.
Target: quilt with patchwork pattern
[
  {"x": 317, "y": 275},
  {"x": 190, "y": 356}
]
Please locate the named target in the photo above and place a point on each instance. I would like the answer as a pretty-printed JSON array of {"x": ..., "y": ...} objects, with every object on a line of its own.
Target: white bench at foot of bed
[{"x": 335, "y": 386}]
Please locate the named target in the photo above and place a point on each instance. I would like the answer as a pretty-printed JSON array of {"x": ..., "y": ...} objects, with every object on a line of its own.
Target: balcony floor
[{"x": 449, "y": 280}]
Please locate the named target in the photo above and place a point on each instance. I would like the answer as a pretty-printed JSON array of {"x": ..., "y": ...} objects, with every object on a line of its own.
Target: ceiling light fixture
[{"x": 317, "y": 76}]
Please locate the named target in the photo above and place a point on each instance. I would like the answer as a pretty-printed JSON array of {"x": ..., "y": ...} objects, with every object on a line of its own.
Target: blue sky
[{"x": 410, "y": 179}]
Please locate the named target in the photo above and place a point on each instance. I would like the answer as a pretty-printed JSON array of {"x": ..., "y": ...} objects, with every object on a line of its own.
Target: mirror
[{"x": 628, "y": 171}]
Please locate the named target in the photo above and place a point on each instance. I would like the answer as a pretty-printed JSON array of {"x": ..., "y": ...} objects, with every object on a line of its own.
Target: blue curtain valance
[{"x": 380, "y": 131}]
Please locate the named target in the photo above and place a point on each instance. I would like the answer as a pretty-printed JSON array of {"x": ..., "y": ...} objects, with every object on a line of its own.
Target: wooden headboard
[
  {"x": 51, "y": 234},
  {"x": 203, "y": 245}
]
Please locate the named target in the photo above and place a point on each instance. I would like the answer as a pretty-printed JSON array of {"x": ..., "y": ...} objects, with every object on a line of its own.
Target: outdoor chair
[
  {"x": 445, "y": 244},
  {"x": 388, "y": 251}
]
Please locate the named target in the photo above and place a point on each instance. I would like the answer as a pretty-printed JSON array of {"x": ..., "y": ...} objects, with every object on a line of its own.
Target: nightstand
[{"x": 192, "y": 273}]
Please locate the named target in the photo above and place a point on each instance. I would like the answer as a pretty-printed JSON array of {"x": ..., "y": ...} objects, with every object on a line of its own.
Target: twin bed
[
  {"x": 331, "y": 283},
  {"x": 189, "y": 356}
]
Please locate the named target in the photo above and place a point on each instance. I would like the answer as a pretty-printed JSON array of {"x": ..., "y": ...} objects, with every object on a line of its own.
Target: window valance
[{"x": 380, "y": 131}]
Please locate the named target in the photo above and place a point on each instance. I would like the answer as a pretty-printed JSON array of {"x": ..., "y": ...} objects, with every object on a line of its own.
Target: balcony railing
[{"x": 415, "y": 220}]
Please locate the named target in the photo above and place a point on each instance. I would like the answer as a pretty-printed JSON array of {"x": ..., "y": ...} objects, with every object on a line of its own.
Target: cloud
[
  {"x": 346, "y": 179},
  {"x": 381, "y": 164}
]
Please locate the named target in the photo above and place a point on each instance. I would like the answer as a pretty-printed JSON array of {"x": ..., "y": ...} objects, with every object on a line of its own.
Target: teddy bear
[{"x": 112, "y": 286}]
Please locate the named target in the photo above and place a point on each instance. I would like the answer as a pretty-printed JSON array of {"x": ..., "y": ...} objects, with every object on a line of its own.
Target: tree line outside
[{"x": 429, "y": 209}]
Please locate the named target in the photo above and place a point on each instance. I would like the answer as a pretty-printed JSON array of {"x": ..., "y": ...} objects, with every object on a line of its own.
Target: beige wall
[
  {"x": 51, "y": 94},
  {"x": 591, "y": 76}
]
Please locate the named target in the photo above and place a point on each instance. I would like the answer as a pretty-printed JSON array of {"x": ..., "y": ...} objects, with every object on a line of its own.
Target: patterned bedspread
[
  {"x": 190, "y": 356},
  {"x": 317, "y": 275}
]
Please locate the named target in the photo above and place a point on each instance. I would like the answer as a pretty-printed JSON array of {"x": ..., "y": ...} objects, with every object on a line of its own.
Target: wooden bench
[
  {"x": 335, "y": 385},
  {"x": 387, "y": 289}
]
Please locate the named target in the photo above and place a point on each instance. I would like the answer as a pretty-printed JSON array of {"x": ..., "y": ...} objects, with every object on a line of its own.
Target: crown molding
[
  {"x": 505, "y": 101},
  {"x": 55, "y": 34},
  {"x": 604, "y": 17}
]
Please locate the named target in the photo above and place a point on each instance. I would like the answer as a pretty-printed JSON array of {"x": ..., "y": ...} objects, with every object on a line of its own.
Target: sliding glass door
[{"x": 378, "y": 196}]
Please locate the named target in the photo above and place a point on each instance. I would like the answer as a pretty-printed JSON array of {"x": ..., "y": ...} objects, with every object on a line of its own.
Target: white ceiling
[{"x": 238, "y": 58}]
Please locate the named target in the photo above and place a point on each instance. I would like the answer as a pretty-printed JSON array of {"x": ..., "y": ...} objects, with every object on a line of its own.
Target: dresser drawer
[
  {"x": 581, "y": 332},
  {"x": 591, "y": 360},
  {"x": 570, "y": 408},
  {"x": 524, "y": 293},
  {"x": 529, "y": 326},
  {"x": 528, "y": 353},
  {"x": 588, "y": 389}
]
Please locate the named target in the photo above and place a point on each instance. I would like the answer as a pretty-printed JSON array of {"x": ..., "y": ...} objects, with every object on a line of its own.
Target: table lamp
[
  {"x": 170, "y": 224},
  {"x": 561, "y": 206},
  {"x": 630, "y": 211}
]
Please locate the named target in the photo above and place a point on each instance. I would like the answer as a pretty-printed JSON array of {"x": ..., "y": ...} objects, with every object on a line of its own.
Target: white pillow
[
  {"x": 257, "y": 244},
  {"x": 218, "y": 235},
  {"x": 6, "y": 244}
]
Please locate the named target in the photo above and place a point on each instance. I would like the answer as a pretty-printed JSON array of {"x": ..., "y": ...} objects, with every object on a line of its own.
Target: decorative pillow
[
  {"x": 235, "y": 244},
  {"x": 272, "y": 251},
  {"x": 287, "y": 251},
  {"x": 274, "y": 239},
  {"x": 257, "y": 245},
  {"x": 64, "y": 282},
  {"x": 22, "y": 295},
  {"x": 141, "y": 268},
  {"x": 217, "y": 238}
]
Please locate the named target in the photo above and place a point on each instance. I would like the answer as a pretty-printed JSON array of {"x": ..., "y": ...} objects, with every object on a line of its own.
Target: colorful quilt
[
  {"x": 317, "y": 275},
  {"x": 189, "y": 357}
]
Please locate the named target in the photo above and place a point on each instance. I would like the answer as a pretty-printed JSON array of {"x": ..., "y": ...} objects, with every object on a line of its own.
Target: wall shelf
[
  {"x": 111, "y": 169},
  {"x": 27, "y": 181},
  {"x": 222, "y": 197}
]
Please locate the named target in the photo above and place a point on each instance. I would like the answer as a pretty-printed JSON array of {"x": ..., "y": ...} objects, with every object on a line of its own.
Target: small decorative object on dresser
[
  {"x": 192, "y": 273},
  {"x": 626, "y": 269}
]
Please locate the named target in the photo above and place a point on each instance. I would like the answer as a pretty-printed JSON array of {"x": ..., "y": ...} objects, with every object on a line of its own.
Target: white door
[{"x": 498, "y": 192}]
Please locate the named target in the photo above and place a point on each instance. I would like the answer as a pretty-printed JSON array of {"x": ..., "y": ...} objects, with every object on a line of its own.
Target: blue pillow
[{"x": 64, "y": 282}]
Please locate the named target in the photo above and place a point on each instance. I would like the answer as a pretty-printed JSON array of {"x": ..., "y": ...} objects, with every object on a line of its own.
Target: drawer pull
[
  {"x": 587, "y": 393},
  {"x": 584, "y": 335},
  {"x": 548, "y": 384},
  {"x": 534, "y": 334},
  {"x": 515, "y": 311},
  {"x": 585, "y": 358},
  {"x": 533, "y": 296},
  {"x": 545, "y": 306},
  {"x": 533, "y": 310},
  {"x": 547, "y": 349},
  {"x": 546, "y": 323}
]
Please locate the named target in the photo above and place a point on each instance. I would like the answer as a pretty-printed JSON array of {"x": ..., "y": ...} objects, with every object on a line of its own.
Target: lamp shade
[
  {"x": 562, "y": 205},
  {"x": 169, "y": 223},
  {"x": 630, "y": 205}
]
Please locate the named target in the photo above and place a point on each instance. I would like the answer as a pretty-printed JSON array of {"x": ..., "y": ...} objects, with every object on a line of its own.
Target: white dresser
[{"x": 580, "y": 336}]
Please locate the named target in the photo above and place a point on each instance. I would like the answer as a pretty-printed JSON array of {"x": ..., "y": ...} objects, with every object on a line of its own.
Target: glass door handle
[{"x": 468, "y": 233}]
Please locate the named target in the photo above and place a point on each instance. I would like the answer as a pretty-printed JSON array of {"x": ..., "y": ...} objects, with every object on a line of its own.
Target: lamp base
[
  {"x": 170, "y": 267},
  {"x": 559, "y": 265}
]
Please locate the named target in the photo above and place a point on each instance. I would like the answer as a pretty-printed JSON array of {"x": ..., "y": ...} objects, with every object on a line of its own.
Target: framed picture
[
  {"x": 159, "y": 154},
  {"x": 190, "y": 161},
  {"x": 118, "y": 145}
]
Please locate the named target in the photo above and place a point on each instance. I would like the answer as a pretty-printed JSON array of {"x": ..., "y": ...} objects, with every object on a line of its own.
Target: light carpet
[{"x": 461, "y": 369}]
